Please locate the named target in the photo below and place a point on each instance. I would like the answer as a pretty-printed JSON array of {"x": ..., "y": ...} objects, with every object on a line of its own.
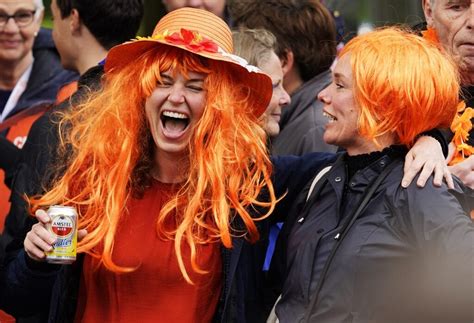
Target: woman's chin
[
  {"x": 327, "y": 138},
  {"x": 272, "y": 130}
]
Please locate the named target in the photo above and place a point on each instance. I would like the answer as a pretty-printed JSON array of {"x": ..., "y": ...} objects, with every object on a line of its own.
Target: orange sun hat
[{"x": 201, "y": 33}]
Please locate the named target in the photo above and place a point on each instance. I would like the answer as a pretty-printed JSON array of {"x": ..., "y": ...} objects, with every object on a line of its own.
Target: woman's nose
[
  {"x": 10, "y": 26},
  {"x": 285, "y": 98},
  {"x": 323, "y": 96},
  {"x": 176, "y": 95}
]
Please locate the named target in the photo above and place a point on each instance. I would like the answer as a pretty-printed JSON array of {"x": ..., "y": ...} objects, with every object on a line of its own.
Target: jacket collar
[{"x": 362, "y": 178}]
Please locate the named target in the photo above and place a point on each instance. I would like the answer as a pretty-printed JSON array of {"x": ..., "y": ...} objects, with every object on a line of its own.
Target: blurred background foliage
[
  {"x": 354, "y": 12},
  {"x": 377, "y": 12}
]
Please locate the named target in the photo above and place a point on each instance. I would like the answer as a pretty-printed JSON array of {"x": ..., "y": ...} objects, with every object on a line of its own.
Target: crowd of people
[{"x": 235, "y": 166}]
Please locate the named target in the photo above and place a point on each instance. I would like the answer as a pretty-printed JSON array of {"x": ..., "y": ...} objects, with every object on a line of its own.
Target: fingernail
[{"x": 404, "y": 184}]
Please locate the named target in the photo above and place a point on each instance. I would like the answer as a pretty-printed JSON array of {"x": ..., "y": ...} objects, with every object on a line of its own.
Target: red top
[{"x": 156, "y": 291}]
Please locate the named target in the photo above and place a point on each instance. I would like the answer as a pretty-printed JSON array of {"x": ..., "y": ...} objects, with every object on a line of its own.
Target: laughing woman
[
  {"x": 159, "y": 160},
  {"x": 164, "y": 167}
]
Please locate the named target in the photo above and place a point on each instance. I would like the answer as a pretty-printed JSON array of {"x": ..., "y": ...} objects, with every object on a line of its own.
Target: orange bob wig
[
  {"x": 402, "y": 84},
  {"x": 227, "y": 170}
]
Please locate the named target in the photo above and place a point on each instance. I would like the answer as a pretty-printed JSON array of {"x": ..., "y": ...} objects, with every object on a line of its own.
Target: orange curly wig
[{"x": 229, "y": 169}]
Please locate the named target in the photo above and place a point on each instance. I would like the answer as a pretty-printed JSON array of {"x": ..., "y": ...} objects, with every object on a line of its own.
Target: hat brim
[{"x": 258, "y": 83}]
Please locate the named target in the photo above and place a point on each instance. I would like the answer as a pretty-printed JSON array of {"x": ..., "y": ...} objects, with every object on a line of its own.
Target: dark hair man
[{"x": 84, "y": 30}]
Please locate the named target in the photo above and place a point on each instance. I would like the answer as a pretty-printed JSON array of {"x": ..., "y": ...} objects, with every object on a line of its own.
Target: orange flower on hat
[
  {"x": 461, "y": 127},
  {"x": 192, "y": 40}
]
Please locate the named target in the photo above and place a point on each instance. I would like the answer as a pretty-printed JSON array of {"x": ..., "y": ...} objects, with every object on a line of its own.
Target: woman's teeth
[
  {"x": 175, "y": 115},
  {"x": 330, "y": 117},
  {"x": 174, "y": 121}
]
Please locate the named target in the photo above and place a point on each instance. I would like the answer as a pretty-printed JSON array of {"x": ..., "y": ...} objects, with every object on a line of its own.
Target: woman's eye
[
  {"x": 164, "y": 84},
  {"x": 195, "y": 88},
  {"x": 339, "y": 86}
]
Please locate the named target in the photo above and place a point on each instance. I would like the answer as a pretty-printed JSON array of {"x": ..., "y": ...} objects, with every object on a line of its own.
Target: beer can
[{"x": 63, "y": 226}]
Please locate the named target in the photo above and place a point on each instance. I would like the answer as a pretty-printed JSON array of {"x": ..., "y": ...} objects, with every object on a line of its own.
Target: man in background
[
  {"x": 84, "y": 31},
  {"x": 306, "y": 45},
  {"x": 453, "y": 23}
]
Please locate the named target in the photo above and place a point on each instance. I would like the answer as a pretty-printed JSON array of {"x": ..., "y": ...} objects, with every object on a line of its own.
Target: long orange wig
[
  {"x": 402, "y": 84},
  {"x": 112, "y": 156}
]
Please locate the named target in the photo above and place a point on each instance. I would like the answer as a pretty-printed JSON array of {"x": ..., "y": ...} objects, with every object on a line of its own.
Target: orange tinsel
[
  {"x": 461, "y": 127},
  {"x": 431, "y": 35}
]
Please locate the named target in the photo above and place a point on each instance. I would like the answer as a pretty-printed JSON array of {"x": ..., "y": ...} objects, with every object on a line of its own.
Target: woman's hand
[
  {"x": 39, "y": 240},
  {"x": 426, "y": 156}
]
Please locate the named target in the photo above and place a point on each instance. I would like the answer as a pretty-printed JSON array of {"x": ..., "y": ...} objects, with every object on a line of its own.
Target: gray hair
[
  {"x": 39, "y": 4},
  {"x": 255, "y": 45}
]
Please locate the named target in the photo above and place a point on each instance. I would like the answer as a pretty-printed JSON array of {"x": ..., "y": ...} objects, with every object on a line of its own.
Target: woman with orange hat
[
  {"x": 169, "y": 172},
  {"x": 165, "y": 164}
]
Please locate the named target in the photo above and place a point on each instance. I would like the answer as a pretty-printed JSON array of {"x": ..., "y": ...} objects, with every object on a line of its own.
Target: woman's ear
[{"x": 287, "y": 61}]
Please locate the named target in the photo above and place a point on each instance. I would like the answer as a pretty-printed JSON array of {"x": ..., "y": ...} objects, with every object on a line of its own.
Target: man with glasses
[{"x": 30, "y": 76}]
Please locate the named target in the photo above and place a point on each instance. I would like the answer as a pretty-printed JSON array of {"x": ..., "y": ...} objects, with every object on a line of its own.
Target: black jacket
[
  {"x": 407, "y": 258},
  {"x": 30, "y": 288},
  {"x": 36, "y": 168}
]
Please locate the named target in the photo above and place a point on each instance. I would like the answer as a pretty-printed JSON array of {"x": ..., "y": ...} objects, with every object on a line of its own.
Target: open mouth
[
  {"x": 174, "y": 122},
  {"x": 329, "y": 116}
]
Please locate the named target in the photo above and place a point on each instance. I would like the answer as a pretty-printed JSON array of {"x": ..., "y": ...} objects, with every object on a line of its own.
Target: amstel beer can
[{"x": 64, "y": 227}]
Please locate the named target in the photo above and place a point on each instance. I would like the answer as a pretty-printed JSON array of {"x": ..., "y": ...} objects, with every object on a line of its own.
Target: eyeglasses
[{"x": 21, "y": 18}]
